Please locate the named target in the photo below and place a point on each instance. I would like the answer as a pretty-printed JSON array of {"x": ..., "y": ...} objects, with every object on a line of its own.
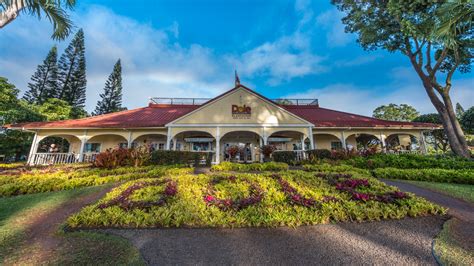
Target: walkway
[
  {"x": 406, "y": 241},
  {"x": 461, "y": 210}
]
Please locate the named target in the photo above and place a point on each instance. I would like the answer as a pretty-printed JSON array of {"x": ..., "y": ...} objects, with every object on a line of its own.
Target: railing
[
  {"x": 60, "y": 158},
  {"x": 200, "y": 101}
]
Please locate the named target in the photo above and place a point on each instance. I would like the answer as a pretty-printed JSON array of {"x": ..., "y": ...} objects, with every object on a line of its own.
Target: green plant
[
  {"x": 462, "y": 176},
  {"x": 168, "y": 157},
  {"x": 288, "y": 157},
  {"x": 269, "y": 166},
  {"x": 318, "y": 154}
]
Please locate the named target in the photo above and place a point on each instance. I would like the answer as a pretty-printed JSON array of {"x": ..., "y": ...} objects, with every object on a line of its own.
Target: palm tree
[
  {"x": 456, "y": 19},
  {"x": 54, "y": 10}
]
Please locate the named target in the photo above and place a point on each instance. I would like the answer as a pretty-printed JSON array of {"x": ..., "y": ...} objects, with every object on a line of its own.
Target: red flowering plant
[
  {"x": 123, "y": 199},
  {"x": 297, "y": 198},
  {"x": 233, "y": 150},
  {"x": 226, "y": 204},
  {"x": 345, "y": 183}
]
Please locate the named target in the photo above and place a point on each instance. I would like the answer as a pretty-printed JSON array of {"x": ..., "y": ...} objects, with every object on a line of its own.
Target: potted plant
[
  {"x": 233, "y": 150},
  {"x": 267, "y": 150}
]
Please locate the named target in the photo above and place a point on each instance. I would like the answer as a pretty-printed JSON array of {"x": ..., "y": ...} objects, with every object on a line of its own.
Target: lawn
[
  {"x": 267, "y": 199},
  {"x": 21, "y": 213},
  {"x": 461, "y": 191},
  {"x": 449, "y": 250}
]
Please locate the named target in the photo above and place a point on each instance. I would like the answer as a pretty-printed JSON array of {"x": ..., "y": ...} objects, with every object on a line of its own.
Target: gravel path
[
  {"x": 461, "y": 210},
  {"x": 406, "y": 241}
]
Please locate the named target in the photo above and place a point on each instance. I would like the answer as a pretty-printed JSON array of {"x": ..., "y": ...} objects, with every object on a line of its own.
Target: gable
[{"x": 240, "y": 106}]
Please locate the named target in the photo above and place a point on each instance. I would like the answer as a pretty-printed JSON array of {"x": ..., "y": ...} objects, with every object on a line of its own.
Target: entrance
[{"x": 241, "y": 146}]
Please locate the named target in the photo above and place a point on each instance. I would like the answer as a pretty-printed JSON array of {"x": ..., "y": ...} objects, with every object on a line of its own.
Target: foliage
[
  {"x": 395, "y": 112},
  {"x": 54, "y": 10},
  {"x": 168, "y": 157},
  {"x": 418, "y": 30},
  {"x": 111, "y": 99},
  {"x": 288, "y": 157},
  {"x": 460, "y": 176},
  {"x": 406, "y": 161},
  {"x": 233, "y": 150},
  {"x": 55, "y": 109},
  {"x": 44, "y": 84},
  {"x": 267, "y": 150},
  {"x": 318, "y": 154},
  {"x": 437, "y": 137},
  {"x": 112, "y": 158},
  {"x": 188, "y": 209},
  {"x": 43, "y": 180},
  {"x": 459, "y": 111},
  {"x": 269, "y": 166},
  {"x": 72, "y": 72},
  {"x": 467, "y": 120}
]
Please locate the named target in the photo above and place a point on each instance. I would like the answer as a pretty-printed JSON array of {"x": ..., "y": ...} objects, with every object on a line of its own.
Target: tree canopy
[
  {"x": 111, "y": 99},
  {"x": 395, "y": 112},
  {"x": 467, "y": 120}
]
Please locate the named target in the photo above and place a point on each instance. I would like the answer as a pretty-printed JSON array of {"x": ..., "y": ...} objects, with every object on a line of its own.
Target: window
[
  {"x": 161, "y": 146},
  {"x": 336, "y": 145},
  {"x": 92, "y": 147},
  {"x": 201, "y": 146}
]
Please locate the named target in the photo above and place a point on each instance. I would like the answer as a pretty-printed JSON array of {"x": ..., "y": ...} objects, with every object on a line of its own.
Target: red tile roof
[
  {"x": 158, "y": 115},
  {"x": 322, "y": 117}
]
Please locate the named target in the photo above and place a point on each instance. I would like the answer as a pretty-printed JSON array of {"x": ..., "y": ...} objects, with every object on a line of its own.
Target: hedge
[
  {"x": 270, "y": 166},
  {"x": 411, "y": 161},
  {"x": 462, "y": 176},
  {"x": 284, "y": 156},
  {"x": 164, "y": 157}
]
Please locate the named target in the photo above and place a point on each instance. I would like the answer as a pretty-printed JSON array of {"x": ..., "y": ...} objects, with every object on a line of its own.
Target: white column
[
  {"x": 311, "y": 138},
  {"x": 33, "y": 149},
  {"x": 343, "y": 140},
  {"x": 302, "y": 143},
  {"x": 218, "y": 145},
  {"x": 168, "y": 139},
  {"x": 81, "y": 150},
  {"x": 382, "y": 141},
  {"x": 174, "y": 144},
  {"x": 260, "y": 152},
  {"x": 129, "y": 143}
]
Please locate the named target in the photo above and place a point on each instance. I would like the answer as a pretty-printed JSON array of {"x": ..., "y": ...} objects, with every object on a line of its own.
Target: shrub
[
  {"x": 407, "y": 161},
  {"x": 325, "y": 167},
  {"x": 113, "y": 158},
  {"x": 461, "y": 176},
  {"x": 267, "y": 150},
  {"x": 288, "y": 157},
  {"x": 318, "y": 154},
  {"x": 163, "y": 157},
  {"x": 270, "y": 166}
]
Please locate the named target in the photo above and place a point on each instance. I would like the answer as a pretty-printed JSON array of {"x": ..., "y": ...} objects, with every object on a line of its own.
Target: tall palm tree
[
  {"x": 456, "y": 19},
  {"x": 54, "y": 10}
]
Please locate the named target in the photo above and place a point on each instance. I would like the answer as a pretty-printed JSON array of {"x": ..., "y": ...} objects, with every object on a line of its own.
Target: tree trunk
[
  {"x": 454, "y": 120},
  {"x": 11, "y": 13}
]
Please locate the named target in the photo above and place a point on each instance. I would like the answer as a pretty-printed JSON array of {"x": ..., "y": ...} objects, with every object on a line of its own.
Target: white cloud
[
  {"x": 363, "y": 100},
  {"x": 331, "y": 21},
  {"x": 357, "y": 61}
]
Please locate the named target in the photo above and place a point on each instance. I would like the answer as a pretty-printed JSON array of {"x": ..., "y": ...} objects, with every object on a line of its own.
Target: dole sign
[{"x": 241, "y": 112}]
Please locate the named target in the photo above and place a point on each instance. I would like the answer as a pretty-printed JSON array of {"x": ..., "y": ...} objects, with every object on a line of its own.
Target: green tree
[
  {"x": 72, "y": 72},
  {"x": 55, "y": 109},
  {"x": 436, "y": 138},
  {"x": 13, "y": 142},
  {"x": 467, "y": 120},
  {"x": 459, "y": 110},
  {"x": 44, "y": 83},
  {"x": 434, "y": 35},
  {"x": 111, "y": 99},
  {"x": 54, "y": 10},
  {"x": 395, "y": 112}
]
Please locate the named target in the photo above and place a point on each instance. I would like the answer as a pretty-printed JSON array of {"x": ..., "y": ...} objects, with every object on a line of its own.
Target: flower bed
[
  {"x": 289, "y": 198},
  {"x": 239, "y": 167},
  {"x": 50, "y": 179},
  {"x": 255, "y": 195}
]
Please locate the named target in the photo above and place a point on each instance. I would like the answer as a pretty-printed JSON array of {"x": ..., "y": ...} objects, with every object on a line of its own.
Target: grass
[
  {"x": 448, "y": 249},
  {"x": 18, "y": 215},
  {"x": 461, "y": 191},
  {"x": 188, "y": 207}
]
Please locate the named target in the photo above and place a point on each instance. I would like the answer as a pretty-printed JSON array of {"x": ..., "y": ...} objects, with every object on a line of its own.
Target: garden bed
[{"x": 269, "y": 199}]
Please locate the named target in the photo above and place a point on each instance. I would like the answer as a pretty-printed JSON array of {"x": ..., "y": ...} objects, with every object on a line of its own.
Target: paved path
[
  {"x": 461, "y": 210},
  {"x": 406, "y": 241}
]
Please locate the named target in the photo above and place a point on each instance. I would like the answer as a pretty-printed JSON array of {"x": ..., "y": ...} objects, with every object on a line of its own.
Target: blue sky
[{"x": 191, "y": 48}]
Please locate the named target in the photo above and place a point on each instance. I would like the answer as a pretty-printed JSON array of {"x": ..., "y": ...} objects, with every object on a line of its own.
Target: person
[
  {"x": 295, "y": 147},
  {"x": 53, "y": 148}
]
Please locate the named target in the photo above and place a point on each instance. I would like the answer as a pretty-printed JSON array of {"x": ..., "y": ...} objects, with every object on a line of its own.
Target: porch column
[
  {"x": 174, "y": 144},
  {"x": 168, "y": 139},
  {"x": 218, "y": 146},
  {"x": 261, "y": 144},
  {"x": 81, "y": 150},
  {"x": 302, "y": 143},
  {"x": 382, "y": 142},
  {"x": 129, "y": 141},
  {"x": 311, "y": 138},
  {"x": 343, "y": 140},
  {"x": 33, "y": 149}
]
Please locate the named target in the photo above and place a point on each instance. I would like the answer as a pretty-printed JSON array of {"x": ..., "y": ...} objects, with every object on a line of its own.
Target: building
[{"x": 239, "y": 117}]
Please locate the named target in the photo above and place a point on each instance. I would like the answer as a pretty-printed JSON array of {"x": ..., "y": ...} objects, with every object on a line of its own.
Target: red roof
[
  {"x": 158, "y": 115},
  {"x": 322, "y": 117}
]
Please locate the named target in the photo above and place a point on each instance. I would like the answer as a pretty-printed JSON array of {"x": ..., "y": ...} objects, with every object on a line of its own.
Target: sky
[{"x": 281, "y": 49}]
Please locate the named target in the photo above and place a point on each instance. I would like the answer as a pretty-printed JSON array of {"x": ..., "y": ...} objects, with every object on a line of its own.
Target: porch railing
[{"x": 44, "y": 158}]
